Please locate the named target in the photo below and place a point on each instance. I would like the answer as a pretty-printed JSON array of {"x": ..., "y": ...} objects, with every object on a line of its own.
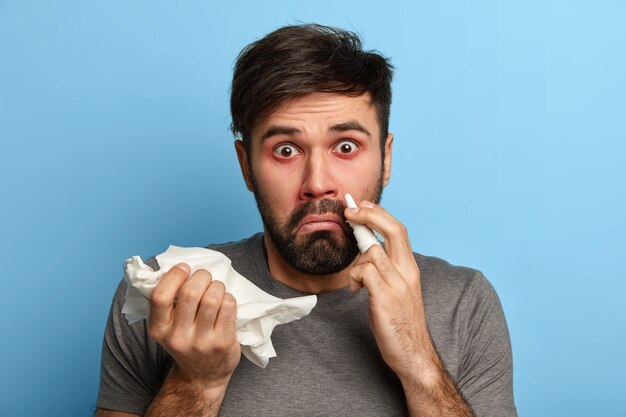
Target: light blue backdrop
[{"x": 509, "y": 157}]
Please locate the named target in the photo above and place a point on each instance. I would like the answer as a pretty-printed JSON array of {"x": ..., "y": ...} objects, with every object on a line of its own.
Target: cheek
[
  {"x": 360, "y": 176},
  {"x": 278, "y": 184},
  {"x": 274, "y": 175}
]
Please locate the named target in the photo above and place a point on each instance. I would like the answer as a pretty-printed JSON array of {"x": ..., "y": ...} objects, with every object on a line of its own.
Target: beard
[{"x": 321, "y": 252}]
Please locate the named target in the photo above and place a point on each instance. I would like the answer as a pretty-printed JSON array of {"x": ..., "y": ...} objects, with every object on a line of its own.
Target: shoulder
[
  {"x": 440, "y": 276},
  {"x": 451, "y": 290},
  {"x": 236, "y": 249},
  {"x": 465, "y": 318}
]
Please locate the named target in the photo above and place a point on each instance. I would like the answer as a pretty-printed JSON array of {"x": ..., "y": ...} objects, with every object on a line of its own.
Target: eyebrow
[
  {"x": 350, "y": 125},
  {"x": 291, "y": 131},
  {"x": 280, "y": 130}
]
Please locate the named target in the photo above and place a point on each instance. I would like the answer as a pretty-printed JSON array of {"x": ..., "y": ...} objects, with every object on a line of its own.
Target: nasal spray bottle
[{"x": 365, "y": 238}]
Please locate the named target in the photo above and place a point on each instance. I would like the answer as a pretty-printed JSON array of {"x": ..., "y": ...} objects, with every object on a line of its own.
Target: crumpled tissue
[{"x": 257, "y": 311}]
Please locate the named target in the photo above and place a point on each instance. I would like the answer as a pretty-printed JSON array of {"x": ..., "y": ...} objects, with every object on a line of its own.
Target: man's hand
[
  {"x": 193, "y": 318},
  {"x": 392, "y": 278}
]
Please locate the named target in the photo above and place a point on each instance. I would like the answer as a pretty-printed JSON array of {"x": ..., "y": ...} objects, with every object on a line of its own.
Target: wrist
[
  {"x": 191, "y": 397},
  {"x": 210, "y": 389}
]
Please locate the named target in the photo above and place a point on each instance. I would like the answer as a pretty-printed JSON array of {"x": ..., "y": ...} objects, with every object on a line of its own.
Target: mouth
[{"x": 316, "y": 222}]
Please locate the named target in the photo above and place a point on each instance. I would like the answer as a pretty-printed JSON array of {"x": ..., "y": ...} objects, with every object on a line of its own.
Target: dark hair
[{"x": 301, "y": 59}]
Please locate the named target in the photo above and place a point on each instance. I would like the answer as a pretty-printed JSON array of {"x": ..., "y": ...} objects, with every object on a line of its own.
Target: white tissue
[{"x": 257, "y": 311}]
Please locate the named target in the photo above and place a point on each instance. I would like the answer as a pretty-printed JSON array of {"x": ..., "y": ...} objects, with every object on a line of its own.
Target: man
[{"x": 393, "y": 333}]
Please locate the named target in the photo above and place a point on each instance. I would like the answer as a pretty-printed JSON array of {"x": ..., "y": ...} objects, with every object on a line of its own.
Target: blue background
[{"x": 509, "y": 157}]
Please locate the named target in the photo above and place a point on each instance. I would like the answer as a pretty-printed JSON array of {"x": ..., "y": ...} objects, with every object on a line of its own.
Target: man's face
[{"x": 305, "y": 156}]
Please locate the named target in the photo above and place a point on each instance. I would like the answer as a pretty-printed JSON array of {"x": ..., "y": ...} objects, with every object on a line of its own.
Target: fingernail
[
  {"x": 367, "y": 204},
  {"x": 183, "y": 266},
  {"x": 353, "y": 210}
]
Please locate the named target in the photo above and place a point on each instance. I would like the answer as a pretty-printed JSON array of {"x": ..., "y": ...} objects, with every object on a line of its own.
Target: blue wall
[{"x": 509, "y": 157}]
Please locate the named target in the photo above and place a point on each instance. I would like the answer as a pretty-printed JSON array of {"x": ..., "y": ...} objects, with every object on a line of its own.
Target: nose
[{"x": 318, "y": 181}]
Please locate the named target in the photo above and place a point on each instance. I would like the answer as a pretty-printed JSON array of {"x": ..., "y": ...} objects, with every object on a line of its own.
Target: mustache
[{"x": 326, "y": 205}]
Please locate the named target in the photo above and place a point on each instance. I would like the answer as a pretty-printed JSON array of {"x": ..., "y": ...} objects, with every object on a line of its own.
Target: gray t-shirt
[{"x": 328, "y": 363}]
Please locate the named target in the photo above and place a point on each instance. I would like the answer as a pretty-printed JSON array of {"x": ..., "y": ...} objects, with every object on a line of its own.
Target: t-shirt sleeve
[
  {"x": 133, "y": 366},
  {"x": 486, "y": 367}
]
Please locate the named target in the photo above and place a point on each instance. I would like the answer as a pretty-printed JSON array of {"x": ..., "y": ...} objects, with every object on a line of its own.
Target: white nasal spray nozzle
[{"x": 365, "y": 238}]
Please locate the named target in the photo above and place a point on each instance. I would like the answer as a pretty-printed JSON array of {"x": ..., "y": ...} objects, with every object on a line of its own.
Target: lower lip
[{"x": 315, "y": 226}]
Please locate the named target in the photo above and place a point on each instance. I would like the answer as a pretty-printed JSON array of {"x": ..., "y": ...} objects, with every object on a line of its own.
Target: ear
[
  {"x": 387, "y": 160},
  {"x": 242, "y": 156}
]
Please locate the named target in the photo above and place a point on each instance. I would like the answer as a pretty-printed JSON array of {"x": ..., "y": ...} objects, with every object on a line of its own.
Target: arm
[
  {"x": 193, "y": 318},
  {"x": 397, "y": 317}
]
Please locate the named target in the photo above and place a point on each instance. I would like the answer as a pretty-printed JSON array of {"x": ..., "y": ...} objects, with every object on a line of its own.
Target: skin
[{"x": 297, "y": 154}]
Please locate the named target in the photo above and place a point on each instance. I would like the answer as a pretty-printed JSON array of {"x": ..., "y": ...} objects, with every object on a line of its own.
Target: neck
[{"x": 311, "y": 284}]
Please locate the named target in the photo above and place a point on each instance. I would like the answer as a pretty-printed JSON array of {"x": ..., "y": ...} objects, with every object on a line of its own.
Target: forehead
[{"x": 320, "y": 110}]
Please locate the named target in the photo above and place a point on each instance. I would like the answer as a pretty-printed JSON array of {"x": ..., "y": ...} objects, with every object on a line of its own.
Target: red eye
[
  {"x": 286, "y": 151},
  {"x": 346, "y": 147}
]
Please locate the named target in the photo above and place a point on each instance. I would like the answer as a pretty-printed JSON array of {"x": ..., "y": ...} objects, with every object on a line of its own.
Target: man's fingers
[
  {"x": 188, "y": 299},
  {"x": 397, "y": 243},
  {"x": 225, "y": 323},
  {"x": 365, "y": 275},
  {"x": 387, "y": 271},
  {"x": 207, "y": 312},
  {"x": 164, "y": 294}
]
